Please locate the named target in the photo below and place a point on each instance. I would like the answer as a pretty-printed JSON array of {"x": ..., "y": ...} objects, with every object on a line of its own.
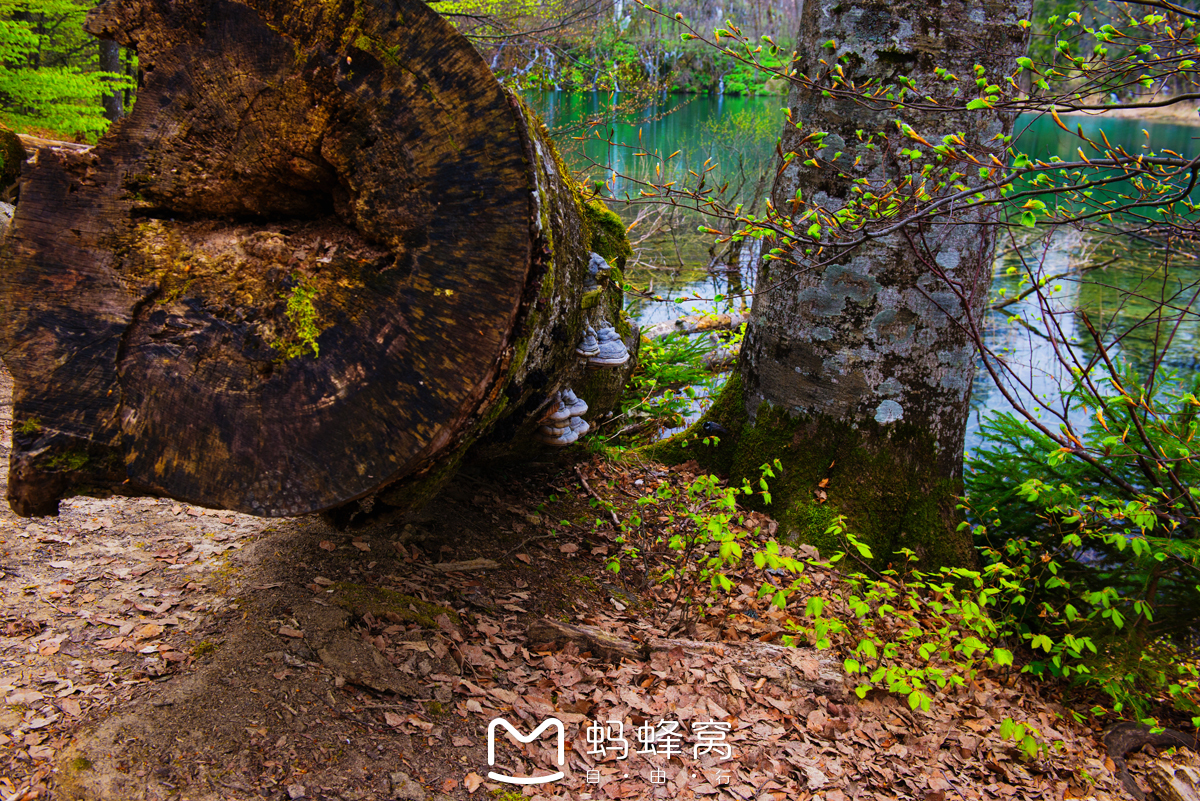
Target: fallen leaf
[
  {"x": 70, "y": 706},
  {"x": 148, "y": 631},
  {"x": 472, "y": 781},
  {"x": 462, "y": 742},
  {"x": 326, "y": 545},
  {"x": 287, "y": 631},
  {"x": 816, "y": 779},
  {"x": 568, "y": 547},
  {"x": 392, "y": 719},
  {"x": 24, "y": 697},
  {"x": 524, "y": 557}
]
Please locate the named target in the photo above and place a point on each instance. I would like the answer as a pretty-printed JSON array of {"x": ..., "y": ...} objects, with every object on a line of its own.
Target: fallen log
[
  {"x": 805, "y": 668},
  {"x": 324, "y": 256},
  {"x": 696, "y": 324}
]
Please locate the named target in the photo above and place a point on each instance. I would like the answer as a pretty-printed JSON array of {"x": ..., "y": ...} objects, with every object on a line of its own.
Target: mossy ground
[
  {"x": 874, "y": 477},
  {"x": 380, "y": 602}
]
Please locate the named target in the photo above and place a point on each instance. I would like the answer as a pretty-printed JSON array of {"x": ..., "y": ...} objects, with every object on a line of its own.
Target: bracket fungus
[
  {"x": 574, "y": 403},
  {"x": 597, "y": 268},
  {"x": 564, "y": 423},
  {"x": 612, "y": 350},
  {"x": 588, "y": 346}
]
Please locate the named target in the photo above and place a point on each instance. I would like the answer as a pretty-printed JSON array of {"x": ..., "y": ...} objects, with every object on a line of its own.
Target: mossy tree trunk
[
  {"x": 857, "y": 374},
  {"x": 326, "y": 254}
]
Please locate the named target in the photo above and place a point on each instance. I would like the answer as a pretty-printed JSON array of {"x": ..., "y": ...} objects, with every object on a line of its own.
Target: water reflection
[{"x": 1117, "y": 283}]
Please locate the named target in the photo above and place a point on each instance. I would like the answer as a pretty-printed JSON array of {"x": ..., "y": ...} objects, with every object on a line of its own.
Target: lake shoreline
[{"x": 1185, "y": 112}]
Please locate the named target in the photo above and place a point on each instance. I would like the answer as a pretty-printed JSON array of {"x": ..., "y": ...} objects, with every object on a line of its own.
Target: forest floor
[{"x": 152, "y": 650}]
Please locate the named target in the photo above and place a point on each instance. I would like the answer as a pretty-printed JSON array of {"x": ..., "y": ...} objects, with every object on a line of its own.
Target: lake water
[{"x": 624, "y": 142}]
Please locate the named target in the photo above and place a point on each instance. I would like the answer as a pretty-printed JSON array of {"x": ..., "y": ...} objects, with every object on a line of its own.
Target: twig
[
  {"x": 592, "y": 492},
  {"x": 525, "y": 542}
]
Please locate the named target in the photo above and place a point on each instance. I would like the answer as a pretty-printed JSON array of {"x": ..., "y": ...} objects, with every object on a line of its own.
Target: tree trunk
[
  {"x": 857, "y": 374},
  {"x": 110, "y": 61},
  {"x": 325, "y": 254}
]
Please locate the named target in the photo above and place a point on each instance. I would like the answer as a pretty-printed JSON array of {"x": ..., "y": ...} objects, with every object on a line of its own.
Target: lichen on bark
[{"x": 857, "y": 364}]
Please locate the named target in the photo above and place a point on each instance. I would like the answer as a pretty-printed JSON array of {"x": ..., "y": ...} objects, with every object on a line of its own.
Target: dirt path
[{"x": 149, "y": 650}]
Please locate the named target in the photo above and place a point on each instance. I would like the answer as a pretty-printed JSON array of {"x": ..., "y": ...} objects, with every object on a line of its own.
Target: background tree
[
  {"x": 857, "y": 364},
  {"x": 51, "y": 76}
]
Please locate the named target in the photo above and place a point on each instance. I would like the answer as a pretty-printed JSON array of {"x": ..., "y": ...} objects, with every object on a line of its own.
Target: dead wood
[
  {"x": 695, "y": 324},
  {"x": 800, "y": 668},
  {"x": 325, "y": 255}
]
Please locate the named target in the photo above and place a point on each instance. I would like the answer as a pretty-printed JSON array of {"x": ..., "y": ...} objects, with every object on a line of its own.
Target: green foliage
[
  {"x": 302, "y": 316},
  {"x": 1101, "y": 552},
  {"x": 671, "y": 378},
  {"x": 913, "y": 635},
  {"x": 690, "y": 538},
  {"x": 49, "y": 75}
]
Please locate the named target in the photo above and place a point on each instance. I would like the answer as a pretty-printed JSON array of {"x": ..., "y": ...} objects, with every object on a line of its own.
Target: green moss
[
  {"x": 606, "y": 233},
  {"x": 204, "y": 648},
  {"x": 67, "y": 461},
  {"x": 507, "y": 795},
  {"x": 591, "y": 299},
  {"x": 359, "y": 599},
  {"x": 879, "y": 478},
  {"x": 80, "y": 764},
  {"x": 31, "y": 426},
  {"x": 302, "y": 316}
]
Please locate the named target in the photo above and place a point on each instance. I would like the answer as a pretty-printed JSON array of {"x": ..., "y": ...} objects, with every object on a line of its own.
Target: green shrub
[{"x": 1098, "y": 542}]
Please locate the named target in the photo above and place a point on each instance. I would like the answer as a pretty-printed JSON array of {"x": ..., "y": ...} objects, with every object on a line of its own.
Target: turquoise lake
[{"x": 623, "y": 142}]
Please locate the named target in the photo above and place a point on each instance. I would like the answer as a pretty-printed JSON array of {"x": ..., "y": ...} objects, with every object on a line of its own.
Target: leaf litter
[{"x": 172, "y": 652}]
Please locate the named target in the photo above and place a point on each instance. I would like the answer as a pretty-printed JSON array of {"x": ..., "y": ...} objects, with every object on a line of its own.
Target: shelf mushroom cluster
[
  {"x": 597, "y": 268},
  {"x": 603, "y": 348},
  {"x": 564, "y": 424},
  {"x": 589, "y": 346},
  {"x": 611, "y": 351}
]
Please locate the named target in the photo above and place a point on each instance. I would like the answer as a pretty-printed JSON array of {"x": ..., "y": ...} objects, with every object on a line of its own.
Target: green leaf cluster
[{"x": 50, "y": 81}]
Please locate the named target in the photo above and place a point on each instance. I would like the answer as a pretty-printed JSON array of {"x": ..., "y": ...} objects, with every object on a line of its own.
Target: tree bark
[
  {"x": 110, "y": 61},
  {"x": 326, "y": 254},
  {"x": 857, "y": 373}
]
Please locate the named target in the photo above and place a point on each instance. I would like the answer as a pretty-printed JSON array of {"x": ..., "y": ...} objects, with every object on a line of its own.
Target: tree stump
[{"x": 325, "y": 254}]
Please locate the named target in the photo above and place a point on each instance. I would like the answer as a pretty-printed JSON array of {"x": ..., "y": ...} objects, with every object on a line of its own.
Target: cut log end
[{"x": 322, "y": 255}]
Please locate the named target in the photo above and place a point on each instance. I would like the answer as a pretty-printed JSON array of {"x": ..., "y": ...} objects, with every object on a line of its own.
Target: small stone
[
  {"x": 295, "y": 791},
  {"x": 404, "y": 787}
]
